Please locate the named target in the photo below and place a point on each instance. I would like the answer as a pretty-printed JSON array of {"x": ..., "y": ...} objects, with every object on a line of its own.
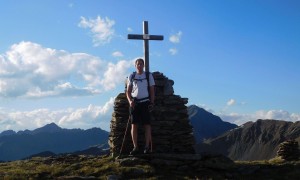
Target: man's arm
[
  {"x": 128, "y": 95},
  {"x": 152, "y": 94}
]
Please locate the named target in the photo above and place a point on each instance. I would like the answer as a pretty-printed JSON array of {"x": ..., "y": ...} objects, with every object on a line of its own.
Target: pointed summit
[
  {"x": 50, "y": 128},
  {"x": 207, "y": 125}
]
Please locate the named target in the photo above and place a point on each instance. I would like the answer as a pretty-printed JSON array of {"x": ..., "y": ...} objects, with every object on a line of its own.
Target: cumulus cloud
[
  {"x": 240, "y": 119},
  {"x": 175, "y": 38},
  {"x": 29, "y": 70},
  {"x": 173, "y": 51},
  {"x": 230, "y": 102},
  {"x": 101, "y": 29},
  {"x": 84, "y": 118},
  {"x": 114, "y": 74},
  {"x": 277, "y": 114},
  {"x": 117, "y": 54},
  {"x": 87, "y": 116},
  {"x": 236, "y": 118}
]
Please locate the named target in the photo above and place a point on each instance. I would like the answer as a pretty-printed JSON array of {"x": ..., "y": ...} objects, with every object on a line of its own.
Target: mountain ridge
[
  {"x": 253, "y": 140},
  {"x": 21, "y": 144},
  {"x": 52, "y": 127},
  {"x": 207, "y": 125}
]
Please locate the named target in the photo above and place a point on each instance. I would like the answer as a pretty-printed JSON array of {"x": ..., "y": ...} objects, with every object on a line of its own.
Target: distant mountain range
[
  {"x": 52, "y": 138},
  {"x": 252, "y": 141},
  {"x": 206, "y": 125},
  {"x": 93, "y": 150}
]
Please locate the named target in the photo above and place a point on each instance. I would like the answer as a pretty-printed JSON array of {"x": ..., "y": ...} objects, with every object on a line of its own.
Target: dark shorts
[{"x": 140, "y": 113}]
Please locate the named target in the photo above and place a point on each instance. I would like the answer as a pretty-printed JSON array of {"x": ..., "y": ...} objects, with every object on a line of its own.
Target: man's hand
[
  {"x": 151, "y": 107},
  {"x": 131, "y": 103}
]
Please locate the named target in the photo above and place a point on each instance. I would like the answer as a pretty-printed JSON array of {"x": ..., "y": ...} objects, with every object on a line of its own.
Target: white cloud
[
  {"x": 115, "y": 74},
  {"x": 129, "y": 29},
  {"x": 231, "y": 102},
  {"x": 175, "y": 38},
  {"x": 240, "y": 119},
  {"x": 173, "y": 51},
  {"x": 88, "y": 117},
  {"x": 277, "y": 114},
  {"x": 101, "y": 29},
  {"x": 84, "y": 118},
  {"x": 236, "y": 118},
  {"x": 30, "y": 70},
  {"x": 117, "y": 54}
]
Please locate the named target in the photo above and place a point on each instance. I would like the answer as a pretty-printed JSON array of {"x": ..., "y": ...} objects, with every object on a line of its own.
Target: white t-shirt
[{"x": 140, "y": 85}]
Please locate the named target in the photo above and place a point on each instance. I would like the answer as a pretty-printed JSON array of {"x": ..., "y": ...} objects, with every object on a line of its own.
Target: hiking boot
[
  {"x": 134, "y": 151},
  {"x": 147, "y": 150}
]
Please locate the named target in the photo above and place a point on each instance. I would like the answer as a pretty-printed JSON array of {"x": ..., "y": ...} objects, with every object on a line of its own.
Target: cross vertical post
[
  {"x": 146, "y": 37},
  {"x": 146, "y": 45}
]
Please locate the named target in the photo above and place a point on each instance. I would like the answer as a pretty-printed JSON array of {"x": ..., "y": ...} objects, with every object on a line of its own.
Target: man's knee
[
  {"x": 134, "y": 127},
  {"x": 147, "y": 126}
]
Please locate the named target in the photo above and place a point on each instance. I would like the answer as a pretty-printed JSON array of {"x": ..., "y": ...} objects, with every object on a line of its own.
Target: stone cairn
[
  {"x": 171, "y": 128},
  {"x": 288, "y": 150}
]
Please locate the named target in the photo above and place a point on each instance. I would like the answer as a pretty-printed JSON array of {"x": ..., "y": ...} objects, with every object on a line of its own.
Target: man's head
[
  {"x": 139, "y": 64},
  {"x": 139, "y": 60}
]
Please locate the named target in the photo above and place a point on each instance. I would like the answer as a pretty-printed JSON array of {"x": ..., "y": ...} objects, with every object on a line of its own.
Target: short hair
[{"x": 139, "y": 59}]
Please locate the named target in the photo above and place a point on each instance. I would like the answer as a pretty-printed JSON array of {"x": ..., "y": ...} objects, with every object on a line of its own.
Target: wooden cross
[{"x": 146, "y": 37}]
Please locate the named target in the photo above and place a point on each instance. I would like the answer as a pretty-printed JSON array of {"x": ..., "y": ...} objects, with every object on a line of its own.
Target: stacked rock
[
  {"x": 171, "y": 128},
  {"x": 288, "y": 150}
]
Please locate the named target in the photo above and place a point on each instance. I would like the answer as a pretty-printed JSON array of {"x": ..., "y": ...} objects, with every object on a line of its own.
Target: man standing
[{"x": 140, "y": 95}]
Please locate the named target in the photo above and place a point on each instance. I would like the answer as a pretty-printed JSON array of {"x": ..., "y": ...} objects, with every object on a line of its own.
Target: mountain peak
[
  {"x": 52, "y": 127},
  {"x": 49, "y": 138},
  {"x": 253, "y": 140},
  {"x": 7, "y": 133},
  {"x": 206, "y": 124}
]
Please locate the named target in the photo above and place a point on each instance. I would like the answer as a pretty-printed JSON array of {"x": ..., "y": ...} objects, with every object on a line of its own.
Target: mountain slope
[
  {"x": 49, "y": 138},
  {"x": 206, "y": 125},
  {"x": 254, "y": 140}
]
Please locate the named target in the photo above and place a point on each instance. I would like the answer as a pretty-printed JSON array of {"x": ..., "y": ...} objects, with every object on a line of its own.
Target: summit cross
[{"x": 146, "y": 37}]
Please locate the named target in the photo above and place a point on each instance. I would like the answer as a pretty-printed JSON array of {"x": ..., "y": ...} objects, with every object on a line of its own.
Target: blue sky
[{"x": 65, "y": 61}]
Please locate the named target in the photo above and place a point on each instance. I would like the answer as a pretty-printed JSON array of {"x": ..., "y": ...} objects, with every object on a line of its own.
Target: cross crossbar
[{"x": 146, "y": 37}]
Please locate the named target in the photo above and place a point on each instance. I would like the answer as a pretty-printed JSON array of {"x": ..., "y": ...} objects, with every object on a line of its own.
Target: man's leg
[
  {"x": 134, "y": 133},
  {"x": 134, "y": 130},
  {"x": 147, "y": 138}
]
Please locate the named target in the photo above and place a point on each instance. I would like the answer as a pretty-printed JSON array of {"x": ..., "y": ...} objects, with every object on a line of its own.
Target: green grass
[
  {"x": 102, "y": 166},
  {"x": 275, "y": 168},
  {"x": 99, "y": 167}
]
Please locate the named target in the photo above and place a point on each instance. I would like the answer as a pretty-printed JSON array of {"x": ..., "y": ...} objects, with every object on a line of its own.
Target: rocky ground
[{"x": 155, "y": 166}]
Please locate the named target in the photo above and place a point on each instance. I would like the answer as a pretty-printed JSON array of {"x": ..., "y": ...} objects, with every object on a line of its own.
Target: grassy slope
[{"x": 102, "y": 167}]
